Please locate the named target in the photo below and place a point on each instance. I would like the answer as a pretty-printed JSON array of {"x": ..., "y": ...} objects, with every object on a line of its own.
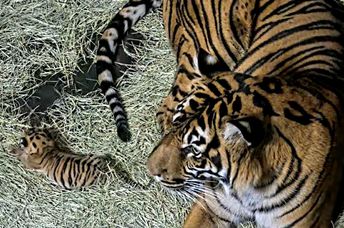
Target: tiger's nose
[
  {"x": 157, "y": 167},
  {"x": 165, "y": 160},
  {"x": 164, "y": 176}
]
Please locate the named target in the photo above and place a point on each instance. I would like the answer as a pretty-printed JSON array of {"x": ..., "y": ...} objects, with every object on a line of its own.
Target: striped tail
[{"x": 113, "y": 35}]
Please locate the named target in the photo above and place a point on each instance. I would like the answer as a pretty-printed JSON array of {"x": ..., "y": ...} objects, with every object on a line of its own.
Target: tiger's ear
[
  {"x": 209, "y": 64},
  {"x": 251, "y": 129}
]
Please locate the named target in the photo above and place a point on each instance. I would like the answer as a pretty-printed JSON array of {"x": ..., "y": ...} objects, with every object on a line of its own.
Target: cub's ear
[
  {"x": 251, "y": 129},
  {"x": 209, "y": 64}
]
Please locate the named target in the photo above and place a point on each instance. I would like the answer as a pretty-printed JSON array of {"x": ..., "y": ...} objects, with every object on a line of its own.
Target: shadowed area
[{"x": 40, "y": 99}]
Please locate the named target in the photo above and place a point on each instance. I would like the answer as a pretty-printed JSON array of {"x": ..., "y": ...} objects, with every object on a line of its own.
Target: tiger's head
[
  {"x": 201, "y": 151},
  {"x": 33, "y": 145}
]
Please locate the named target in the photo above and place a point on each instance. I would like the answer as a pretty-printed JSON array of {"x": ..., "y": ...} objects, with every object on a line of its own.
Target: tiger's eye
[{"x": 187, "y": 150}]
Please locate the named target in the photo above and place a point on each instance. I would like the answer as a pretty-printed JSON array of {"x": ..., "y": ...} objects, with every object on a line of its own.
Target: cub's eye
[{"x": 23, "y": 142}]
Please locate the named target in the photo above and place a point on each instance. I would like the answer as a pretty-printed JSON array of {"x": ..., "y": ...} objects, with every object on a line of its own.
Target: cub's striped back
[{"x": 39, "y": 152}]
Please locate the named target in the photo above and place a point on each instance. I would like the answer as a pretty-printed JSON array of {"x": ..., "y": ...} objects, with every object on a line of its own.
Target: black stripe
[
  {"x": 63, "y": 170},
  {"x": 306, "y": 213},
  {"x": 304, "y": 118},
  {"x": 254, "y": 14},
  {"x": 223, "y": 111},
  {"x": 267, "y": 27},
  {"x": 214, "y": 90},
  {"x": 308, "y": 9},
  {"x": 242, "y": 155},
  {"x": 286, "y": 33},
  {"x": 104, "y": 44},
  {"x": 199, "y": 21},
  {"x": 81, "y": 170},
  {"x": 105, "y": 85},
  {"x": 264, "y": 103},
  {"x": 228, "y": 210},
  {"x": 282, "y": 8},
  {"x": 56, "y": 165},
  {"x": 292, "y": 148},
  {"x": 224, "y": 83},
  {"x": 85, "y": 172},
  {"x": 310, "y": 52},
  {"x": 266, "y": 183},
  {"x": 217, "y": 216},
  {"x": 315, "y": 65},
  {"x": 316, "y": 92},
  {"x": 111, "y": 96},
  {"x": 102, "y": 65},
  {"x": 44, "y": 157},
  {"x": 201, "y": 122},
  {"x": 170, "y": 9},
  {"x": 286, "y": 199},
  {"x": 311, "y": 193},
  {"x": 220, "y": 32},
  {"x": 237, "y": 105}
]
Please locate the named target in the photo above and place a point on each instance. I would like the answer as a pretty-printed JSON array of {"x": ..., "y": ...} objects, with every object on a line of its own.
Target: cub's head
[
  {"x": 202, "y": 151},
  {"x": 33, "y": 143}
]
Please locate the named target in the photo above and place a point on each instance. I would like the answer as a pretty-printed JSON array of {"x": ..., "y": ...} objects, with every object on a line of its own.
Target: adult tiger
[
  {"x": 274, "y": 159},
  {"x": 257, "y": 140}
]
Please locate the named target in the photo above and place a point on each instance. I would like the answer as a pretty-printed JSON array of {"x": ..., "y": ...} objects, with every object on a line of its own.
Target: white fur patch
[
  {"x": 110, "y": 33},
  {"x": 119, "y": 117},
  {"x": 110, "y": 91},
  {"x": 104, "y": 58},
  {"x": 176, "y": 116},
  {"x": 157, "y": 3},
  {"x": 246, "y": 125},
  {"x": 134, "y": 13},
  {"x": 113, "y": 100},
  {"x": 111, "y": 36},
  {"x": 117, "y": 109},
  {"x": 211, "y": 60},
  {"x": 231, "y": 131},
  {"x": 196, "y": 65},
  {"x": 105, "y": 76}
]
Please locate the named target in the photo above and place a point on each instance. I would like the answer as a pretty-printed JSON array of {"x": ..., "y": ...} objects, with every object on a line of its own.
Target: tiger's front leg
[{"x": 201, "y": 217}]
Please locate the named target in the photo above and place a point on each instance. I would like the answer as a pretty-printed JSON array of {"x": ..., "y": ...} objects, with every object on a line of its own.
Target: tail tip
[{"x": 123, "y": 133}]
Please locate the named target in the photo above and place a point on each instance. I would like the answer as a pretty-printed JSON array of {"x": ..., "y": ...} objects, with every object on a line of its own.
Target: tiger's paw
[
  {"x": 164, "y": 118},
  {"x": 16, "y": 152},
  {"x": 190, "y": 106}
]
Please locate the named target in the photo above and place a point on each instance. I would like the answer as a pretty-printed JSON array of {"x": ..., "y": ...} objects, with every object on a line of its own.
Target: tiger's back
[{"x": 257, "y": 37}]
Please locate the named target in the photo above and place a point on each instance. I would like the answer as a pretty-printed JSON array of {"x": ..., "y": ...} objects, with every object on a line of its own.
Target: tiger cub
[{"x": 39, "y": 152}]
